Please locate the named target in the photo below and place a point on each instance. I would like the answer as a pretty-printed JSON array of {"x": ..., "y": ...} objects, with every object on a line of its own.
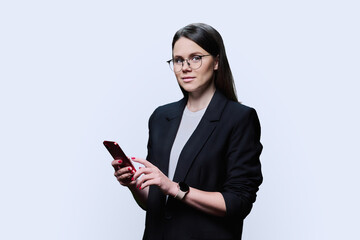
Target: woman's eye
[
  {"x": 196, "y": 58},
  {"x": 178, "y": 60}
]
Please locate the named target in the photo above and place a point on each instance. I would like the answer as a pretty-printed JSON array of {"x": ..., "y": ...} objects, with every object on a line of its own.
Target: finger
[
  {"x": 144, "y": 162},
  {"x": 126, "y": 182},
  {"x": 120, "y": 171},
  {"x": 123, "y": 170},
  {"x": 143, "y": 171},
  {"x": 125, "y": 176},
  {"x": 116, "y": 164},
  {"x": 126, "y": 179},
  {"x": 148, "y": 183},
  {"x": 139, "y": 172},
  {"x": 144, "y": 178}
]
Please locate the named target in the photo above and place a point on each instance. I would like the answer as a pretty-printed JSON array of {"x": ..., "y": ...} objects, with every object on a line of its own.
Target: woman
[{"x": 202, "y": 170}]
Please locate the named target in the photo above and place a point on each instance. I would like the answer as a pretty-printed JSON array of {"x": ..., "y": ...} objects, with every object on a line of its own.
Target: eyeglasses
[{"x": 194, "y": 62}]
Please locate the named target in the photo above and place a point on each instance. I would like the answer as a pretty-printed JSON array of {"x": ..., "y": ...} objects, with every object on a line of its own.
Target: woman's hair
[{"x": 211, "y": 41}]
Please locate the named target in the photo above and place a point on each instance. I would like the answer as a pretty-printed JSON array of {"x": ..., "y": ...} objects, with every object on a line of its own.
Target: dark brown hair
[{"x": 211, "y": 41}]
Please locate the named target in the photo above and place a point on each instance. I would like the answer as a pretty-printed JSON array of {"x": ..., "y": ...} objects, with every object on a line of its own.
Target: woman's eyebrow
[{"x": 190, "y": 55}]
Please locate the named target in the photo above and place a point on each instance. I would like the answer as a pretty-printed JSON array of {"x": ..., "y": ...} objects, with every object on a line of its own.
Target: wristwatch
[{"x": 183, "y": 190}]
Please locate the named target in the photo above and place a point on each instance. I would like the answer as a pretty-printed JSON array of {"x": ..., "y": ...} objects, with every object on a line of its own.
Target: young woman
[{"x": 202, "y": 170}]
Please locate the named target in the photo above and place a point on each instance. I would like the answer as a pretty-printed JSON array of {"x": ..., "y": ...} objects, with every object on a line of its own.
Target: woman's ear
[{"x": 216, "y": 63}]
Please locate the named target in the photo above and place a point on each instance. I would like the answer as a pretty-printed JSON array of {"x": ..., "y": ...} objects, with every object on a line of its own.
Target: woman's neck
[{"x": 200, "y": 101}]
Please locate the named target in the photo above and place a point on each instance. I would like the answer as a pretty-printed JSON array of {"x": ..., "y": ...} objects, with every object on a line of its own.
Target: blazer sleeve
[
  {"x": 149, "y": 143},
  {"x": 243, "y": 174}
]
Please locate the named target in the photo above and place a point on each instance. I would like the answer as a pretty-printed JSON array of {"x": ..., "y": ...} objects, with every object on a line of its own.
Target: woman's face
[{"x": 194, "y": 80}]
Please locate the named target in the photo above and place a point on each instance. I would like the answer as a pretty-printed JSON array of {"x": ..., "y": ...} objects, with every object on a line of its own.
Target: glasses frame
[{"x": 171, "y": 62}]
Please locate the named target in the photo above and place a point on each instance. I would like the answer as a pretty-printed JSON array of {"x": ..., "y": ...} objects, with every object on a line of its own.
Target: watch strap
[{"x": 181, "y": 194}]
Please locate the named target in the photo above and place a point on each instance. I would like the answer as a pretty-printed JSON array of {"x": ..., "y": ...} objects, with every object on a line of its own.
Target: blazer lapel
[{"x": 199, "y": 137}]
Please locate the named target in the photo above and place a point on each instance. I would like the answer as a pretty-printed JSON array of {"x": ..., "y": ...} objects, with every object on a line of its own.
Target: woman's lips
[{"x": 188, "y": 79}]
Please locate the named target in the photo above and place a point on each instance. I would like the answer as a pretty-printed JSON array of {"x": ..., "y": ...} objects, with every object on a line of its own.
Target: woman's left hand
[{"x": 153, "y": 176}]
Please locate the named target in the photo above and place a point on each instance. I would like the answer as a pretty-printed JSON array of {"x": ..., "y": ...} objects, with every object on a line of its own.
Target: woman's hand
[
  {"x": 153, "y": 176},
  {"x": 209, "y": 202},
  {"x": 123, "y": 174}
]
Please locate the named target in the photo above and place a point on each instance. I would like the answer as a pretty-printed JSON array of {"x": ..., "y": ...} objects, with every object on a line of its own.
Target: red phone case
[{"x": 118, "y": 154}]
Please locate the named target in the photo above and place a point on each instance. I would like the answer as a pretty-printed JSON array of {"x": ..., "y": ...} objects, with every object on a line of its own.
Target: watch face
[{"x": 183, "y": 187}]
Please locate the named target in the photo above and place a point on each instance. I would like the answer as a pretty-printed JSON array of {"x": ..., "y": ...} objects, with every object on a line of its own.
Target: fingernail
[
  {"x": 132, "y": 179},
  {"x": 119, "y": 161},
  {"x": 140, "y": 188},
  {"x": 132, "y": 158},
  {"x": 129, "y": 168}
]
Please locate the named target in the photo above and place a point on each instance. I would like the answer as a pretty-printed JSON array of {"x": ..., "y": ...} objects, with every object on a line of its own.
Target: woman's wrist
[
  {"x": 174, "y": 189},
  {"x": 132, "y": 186}
]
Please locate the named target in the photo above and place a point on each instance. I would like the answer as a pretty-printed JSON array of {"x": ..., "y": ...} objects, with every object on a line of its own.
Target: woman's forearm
[
  {"x": 210, "y": 202},
  {"x": 140, "y": 196}
]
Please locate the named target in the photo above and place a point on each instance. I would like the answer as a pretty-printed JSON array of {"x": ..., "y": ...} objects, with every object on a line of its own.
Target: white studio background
[{"x": 75, "y": 73}]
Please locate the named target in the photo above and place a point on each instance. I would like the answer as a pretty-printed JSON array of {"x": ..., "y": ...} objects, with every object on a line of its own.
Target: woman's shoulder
[
  {"x": 239, "y": 108},
  {"x": 239, "y": 113},
  {"x": 169, "y": 110},
  {"x": 232, "y": 108},
  {"x": 167, "y": 107}
]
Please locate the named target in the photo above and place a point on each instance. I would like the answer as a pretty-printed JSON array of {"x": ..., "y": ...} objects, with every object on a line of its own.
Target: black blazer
[{"x": 222, "y": 155}]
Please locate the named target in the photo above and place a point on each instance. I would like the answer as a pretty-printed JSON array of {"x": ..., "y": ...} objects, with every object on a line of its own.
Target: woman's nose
[{"x": 186, "y": 65}]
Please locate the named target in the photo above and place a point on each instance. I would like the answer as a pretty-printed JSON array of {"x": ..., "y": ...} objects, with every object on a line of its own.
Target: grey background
[{"x": 75, "y": 73}]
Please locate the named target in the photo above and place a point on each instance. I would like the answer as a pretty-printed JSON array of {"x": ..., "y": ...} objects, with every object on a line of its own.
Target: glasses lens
[
  {"x": 171, "y": 64},
  {"x": 177, "y": 64},
  {"x": 177, "y": 67},
  {"x": 195, "y": 62}
]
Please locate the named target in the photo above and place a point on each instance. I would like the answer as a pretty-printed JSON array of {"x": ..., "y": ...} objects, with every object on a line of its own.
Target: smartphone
[{"x": 118, "y": 154}]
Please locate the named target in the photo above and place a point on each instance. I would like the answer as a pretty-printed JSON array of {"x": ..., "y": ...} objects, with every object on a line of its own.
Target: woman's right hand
[{"x": 124, "y": 175}]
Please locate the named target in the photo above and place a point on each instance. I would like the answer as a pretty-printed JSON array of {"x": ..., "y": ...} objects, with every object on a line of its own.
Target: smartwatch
[{"x": 183, "y": 190}]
